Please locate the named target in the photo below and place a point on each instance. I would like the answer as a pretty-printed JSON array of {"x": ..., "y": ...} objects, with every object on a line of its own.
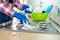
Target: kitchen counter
[{"x": 18, "y": 35}]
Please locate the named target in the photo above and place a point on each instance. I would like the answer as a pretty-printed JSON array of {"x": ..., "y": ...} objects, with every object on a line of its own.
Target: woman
[{"x": 6, "y": 7}]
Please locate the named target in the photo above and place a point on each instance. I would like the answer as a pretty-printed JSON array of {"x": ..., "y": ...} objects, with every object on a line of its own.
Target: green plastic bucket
[{"x": 38, "y": 16}]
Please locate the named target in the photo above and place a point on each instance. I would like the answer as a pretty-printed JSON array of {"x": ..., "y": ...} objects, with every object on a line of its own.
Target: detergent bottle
[{"x": 48, "y": 9}]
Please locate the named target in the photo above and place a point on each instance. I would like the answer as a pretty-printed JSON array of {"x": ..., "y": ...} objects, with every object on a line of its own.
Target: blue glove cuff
[{"x": 16, "y": 14}]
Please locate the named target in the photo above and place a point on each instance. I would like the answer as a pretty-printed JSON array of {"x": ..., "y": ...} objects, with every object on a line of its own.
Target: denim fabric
[{"x": 4, "y": 18}]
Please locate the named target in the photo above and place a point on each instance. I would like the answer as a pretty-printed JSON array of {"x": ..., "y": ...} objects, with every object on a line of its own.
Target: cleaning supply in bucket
[{"x": 49, "y": 9}]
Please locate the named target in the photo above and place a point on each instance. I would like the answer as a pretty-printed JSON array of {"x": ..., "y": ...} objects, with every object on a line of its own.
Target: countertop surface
[{"x": 17, "y": 35}]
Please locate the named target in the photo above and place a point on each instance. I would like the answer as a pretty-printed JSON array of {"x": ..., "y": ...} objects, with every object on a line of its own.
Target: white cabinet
[{"x": 55, "y": 16}]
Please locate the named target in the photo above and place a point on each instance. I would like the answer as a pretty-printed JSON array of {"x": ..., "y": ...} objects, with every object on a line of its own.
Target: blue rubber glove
[
  {"x": 21, "y": 17},
  {"x": 26, "y": 8}
]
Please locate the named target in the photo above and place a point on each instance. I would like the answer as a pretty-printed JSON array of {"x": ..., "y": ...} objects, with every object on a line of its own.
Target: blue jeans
[{"x": 4, "y": 18}]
